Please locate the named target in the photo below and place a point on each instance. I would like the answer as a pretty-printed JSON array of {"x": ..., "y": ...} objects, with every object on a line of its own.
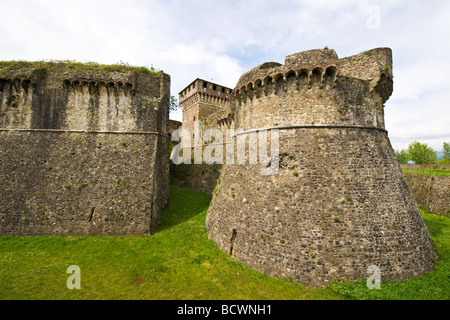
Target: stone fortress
[
  {"x": 82, "y": 152},
  {"x": 208, "y": 102},
  {"x": 339, "y": 202},
  {"x": 86, "y": 152}
]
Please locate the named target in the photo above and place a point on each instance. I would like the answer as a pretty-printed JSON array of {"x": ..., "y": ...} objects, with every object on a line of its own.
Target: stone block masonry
[
  {"x": 201, "y": 177},
  {"x": 82, "y": 152},
  {"x": 339, "y": 202},
  {"x": 431, "y": 192},
  {"x": 205, "y": 101}
]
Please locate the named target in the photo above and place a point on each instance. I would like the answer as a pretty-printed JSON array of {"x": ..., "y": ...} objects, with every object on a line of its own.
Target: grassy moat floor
[
  {"x": 430, "y": 172},
  {"x": 180, "y": 262}
]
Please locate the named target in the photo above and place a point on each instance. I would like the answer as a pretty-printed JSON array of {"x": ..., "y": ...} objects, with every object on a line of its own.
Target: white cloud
[
  {"x": 425, "y": 120},
  {"x": 221, "y": 40}
]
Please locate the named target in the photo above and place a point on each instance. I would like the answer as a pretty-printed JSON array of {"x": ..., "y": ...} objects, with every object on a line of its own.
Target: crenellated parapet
[
  {"x": 204, "y": 98},
  {"x": 318, "y": 68},
  {"x": 316, "y": 87},
  {"x": 207, "y": 94},
  {"x": 118, "y": 88},
  {"x": 281, "y": 80},
  {"x": 16, "y": 94},
  {"x": 206, "y": 101},
  {"x": 13, "y": 87},
  {"x": 205, "y": 90},
  {"x": 50, "y": 96},
  {"x": 21, "y": 82}
]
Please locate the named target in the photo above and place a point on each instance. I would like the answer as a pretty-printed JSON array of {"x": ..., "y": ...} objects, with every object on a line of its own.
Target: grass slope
[
  {"x": 177, "y": 262},
  {"x": 429, "y": 172},
  {"x": 180, "y": 262}
]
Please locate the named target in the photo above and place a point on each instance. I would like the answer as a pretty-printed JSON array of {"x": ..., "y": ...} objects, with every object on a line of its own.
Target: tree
[
  {"x": 446, "y": 158},
  {"x": 402, "y": 156},
  {"x": 447, "y": 150},
  {"x": 444, "y": 161},
  {"x": 421, "y": 153},
  {"x": 173, "y": 104}
]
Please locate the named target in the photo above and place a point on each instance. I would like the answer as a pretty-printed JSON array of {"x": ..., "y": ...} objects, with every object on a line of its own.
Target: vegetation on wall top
[{"x": 70, "y": 65}]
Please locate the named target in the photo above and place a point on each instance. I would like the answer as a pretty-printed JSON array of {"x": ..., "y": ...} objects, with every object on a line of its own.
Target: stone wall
[
  {"x": 339, "y": 202},
  {"x": 431, "y": 192},
  {"x": 82, "y": 100},
  {"x": 222, "y": 120},
  {"x": 83, "y": 152},
  {"x": 424, "y": 166},
  {"x": 201, "y": 177},
  {"x": 174, "y": 125},
  {"x": 202, "y": 100},
  {"x": 306, "y": 92}
]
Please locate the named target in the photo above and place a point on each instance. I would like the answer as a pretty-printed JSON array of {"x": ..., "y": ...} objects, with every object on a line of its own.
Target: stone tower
[
  {"x": 83, "y": 149},
  {"x": 339, "y": 202},
  {"x": 200, "y": 100}
]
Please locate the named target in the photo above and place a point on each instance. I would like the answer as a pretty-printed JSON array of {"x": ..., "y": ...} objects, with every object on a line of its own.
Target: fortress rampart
[
  {"x": 82, "y": 151},
  {"x": 205, "y": 101},
  {"x": 339, "y": 202},
  {"x": 431, "y": 192},
  {"x": 325, "y": 90}
]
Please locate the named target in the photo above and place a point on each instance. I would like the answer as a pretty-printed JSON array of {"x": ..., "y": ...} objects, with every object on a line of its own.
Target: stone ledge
[
  {"x": 81, "y": 131},
  {"x": 313, "y": 126}
]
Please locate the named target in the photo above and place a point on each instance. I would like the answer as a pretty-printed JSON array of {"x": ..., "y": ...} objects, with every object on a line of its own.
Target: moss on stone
[{"x": 70, "y": 65}]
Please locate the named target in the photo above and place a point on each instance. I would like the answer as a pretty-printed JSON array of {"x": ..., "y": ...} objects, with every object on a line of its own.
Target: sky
[{"x": 220, "y": 40}]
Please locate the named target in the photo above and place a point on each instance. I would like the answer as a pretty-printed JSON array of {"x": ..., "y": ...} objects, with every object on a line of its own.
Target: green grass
[
  {"x": 430, "y": 172},
  {"x": 180, "y": 262},
  {"x": 177, "y": 262},
  {"x": 70, "y": 65}
]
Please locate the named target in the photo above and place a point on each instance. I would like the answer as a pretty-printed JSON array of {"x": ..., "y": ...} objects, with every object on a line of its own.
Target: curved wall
[{"x": 339, "y": 202}]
